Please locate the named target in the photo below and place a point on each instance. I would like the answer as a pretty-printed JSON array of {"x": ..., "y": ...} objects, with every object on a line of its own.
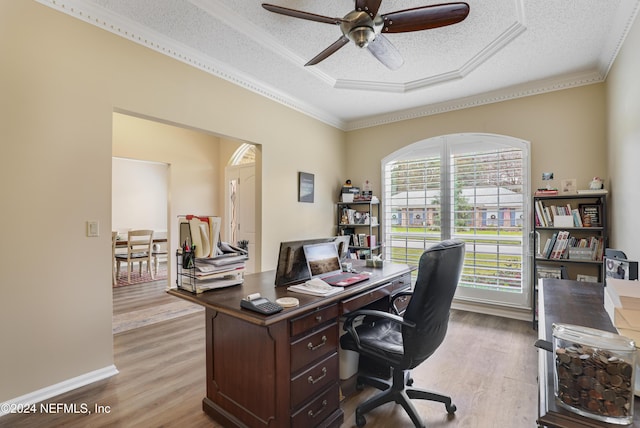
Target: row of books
[
  {"x": 557, "y": 215},
  {"x": 563, "y": 246},
  {"x": 361, "y": 239},
  {"x": 359, "y": 254}
]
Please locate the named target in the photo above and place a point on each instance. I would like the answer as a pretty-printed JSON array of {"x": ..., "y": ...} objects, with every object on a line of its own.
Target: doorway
[
  {"x": 139, "y": 200},
  {"x": 240, "y": 201}
]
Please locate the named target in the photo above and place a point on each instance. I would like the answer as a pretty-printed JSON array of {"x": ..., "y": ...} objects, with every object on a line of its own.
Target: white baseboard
[
  {"x": 499, "y": 311},
  {"x": 57, "y": 389}
]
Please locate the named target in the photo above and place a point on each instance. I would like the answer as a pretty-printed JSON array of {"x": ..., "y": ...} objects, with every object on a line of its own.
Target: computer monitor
[
  {"x": 292, "y": 265},
  {"x": 322, "y": 259}
]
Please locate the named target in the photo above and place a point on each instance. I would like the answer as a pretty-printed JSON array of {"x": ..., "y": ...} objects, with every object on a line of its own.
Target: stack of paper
[
  {"x": 622, "y": 303},
  {"x": 315, "y": 287}
]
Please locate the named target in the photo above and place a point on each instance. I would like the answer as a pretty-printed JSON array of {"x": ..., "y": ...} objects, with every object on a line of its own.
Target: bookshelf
[
  {"x": 570, "y": 236},
  {"x": 360, "y": 220}
]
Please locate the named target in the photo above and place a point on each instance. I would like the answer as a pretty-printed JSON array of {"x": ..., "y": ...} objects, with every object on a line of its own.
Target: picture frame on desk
[
  {"x": 620, "y": 269},
  {"x": 593, "y": 212}
]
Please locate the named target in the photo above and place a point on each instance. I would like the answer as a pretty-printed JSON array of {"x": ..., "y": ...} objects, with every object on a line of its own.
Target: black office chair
[{"x": 403, "y": 342}]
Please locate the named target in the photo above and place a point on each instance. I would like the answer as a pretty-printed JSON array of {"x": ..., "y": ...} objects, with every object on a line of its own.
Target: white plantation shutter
[{"x": 472, "y": 187}]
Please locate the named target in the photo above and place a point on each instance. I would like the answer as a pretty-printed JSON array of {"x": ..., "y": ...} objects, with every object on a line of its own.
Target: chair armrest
[
  {"x": 392, "y": 303},
  {"x": 350, "y": 318}
]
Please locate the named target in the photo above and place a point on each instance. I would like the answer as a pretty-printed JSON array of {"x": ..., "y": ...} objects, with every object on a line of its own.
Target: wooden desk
[
  {"x": 569, "y": 302},
  {"x": 281, "y": 370}
]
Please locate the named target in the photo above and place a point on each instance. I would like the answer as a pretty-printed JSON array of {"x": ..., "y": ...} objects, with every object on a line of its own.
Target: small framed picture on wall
[{"x": 305, "y": 187}]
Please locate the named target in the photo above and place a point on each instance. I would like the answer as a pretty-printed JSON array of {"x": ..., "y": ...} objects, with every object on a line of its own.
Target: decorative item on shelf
[
  {"x": 349, "y": 193},
  {"x": 596, "y": 184},
  {"x": 548, "y": 176},
  {"x": 568, "y": 186},
  {"x": 591, "y": 215},
  {"x": 366, "y": 193}
]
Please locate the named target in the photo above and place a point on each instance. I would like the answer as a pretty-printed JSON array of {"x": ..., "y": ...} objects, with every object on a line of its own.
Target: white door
[{"x": 241, "y": 197}]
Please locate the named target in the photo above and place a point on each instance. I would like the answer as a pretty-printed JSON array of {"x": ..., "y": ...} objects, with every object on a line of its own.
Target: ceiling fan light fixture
[{"x": 362, "y": 36}]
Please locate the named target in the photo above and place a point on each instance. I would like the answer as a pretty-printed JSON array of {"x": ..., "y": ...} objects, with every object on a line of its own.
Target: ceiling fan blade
[
  {"x": 300, "y": 14},
  {"x": 385, "y": 52},
  {"x": 425, "y": 18},
  {"x": 369, "y": 6},
  {"x": 329, "y": 51}
]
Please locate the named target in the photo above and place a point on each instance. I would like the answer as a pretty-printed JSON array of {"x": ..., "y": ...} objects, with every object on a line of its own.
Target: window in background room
[{"x": 472, "y": 187}]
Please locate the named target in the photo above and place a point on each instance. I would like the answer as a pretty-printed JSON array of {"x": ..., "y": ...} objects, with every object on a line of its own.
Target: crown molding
[
  {"x": 520, "y": 91},
  {"x": 129, "y": 30}
]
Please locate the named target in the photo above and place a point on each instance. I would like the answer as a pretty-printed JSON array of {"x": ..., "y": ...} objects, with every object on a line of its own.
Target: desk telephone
[{"x": 262, "y": 305}]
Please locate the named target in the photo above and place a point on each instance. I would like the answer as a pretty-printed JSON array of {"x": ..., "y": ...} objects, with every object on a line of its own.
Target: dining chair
[
  {"x": 139, "y": 249},
  {"x": 158, "y": 252}
]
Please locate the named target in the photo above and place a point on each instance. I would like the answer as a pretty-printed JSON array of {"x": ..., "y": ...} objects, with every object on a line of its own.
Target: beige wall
[
  {"x": 61, "y": 81},
  {"x": 566, "y": 129},
  {"x": 623, "y": 89}
]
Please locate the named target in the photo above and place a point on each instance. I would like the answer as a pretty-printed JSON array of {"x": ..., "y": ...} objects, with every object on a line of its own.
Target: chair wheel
[
  {"x": 410, "y": 381},
  {"x": 360, "y": 421},
  {"x": 451, "y": 409}
]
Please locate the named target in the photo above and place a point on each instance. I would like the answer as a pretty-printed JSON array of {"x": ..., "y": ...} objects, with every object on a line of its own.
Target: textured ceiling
[{"x": 504, "y": 49}]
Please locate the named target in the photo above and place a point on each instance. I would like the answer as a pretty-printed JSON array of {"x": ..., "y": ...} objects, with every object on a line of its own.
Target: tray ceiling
[{"x": 504, "y": 49}]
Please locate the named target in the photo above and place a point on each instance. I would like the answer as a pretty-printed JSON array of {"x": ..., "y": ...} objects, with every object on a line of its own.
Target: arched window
[
  {"x": 469, "y": 187},
  {"x": 244, "y": 154}
]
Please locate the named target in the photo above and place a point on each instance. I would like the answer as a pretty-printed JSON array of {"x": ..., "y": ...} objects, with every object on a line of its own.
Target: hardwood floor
[{"x": 487, "y": 364}]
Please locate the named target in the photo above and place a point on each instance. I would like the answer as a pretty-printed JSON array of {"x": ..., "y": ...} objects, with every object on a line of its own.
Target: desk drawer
[
  {"x": 317, "y": 410},
  {"x": 381, "y": 292},
  {"x": 314, "y": 346},
  {"x": 308, "y": 383},
  {"x": 313, "y": 319}
]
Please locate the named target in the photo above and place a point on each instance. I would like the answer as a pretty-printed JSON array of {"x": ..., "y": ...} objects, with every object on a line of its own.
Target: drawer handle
[
  {"x": 314, "y": 414},
  {"x": 323, "y": 375},
  {"x": 313, "y": 348},
  {"x": 318, "y": 318}
]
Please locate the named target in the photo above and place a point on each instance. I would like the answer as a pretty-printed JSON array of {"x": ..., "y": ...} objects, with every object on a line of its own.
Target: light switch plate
[{"x": 93, "y": 229}]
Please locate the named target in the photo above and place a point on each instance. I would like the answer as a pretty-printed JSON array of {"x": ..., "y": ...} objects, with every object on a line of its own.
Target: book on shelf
[
  {"x": 549, "y": 245},
  {"x": 560, "y": 245},
  {"x": 546, "y": 192},
  {"x": 556, "y": 272}
]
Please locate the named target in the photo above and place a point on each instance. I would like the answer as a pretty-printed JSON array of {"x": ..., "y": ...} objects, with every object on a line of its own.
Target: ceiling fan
[{"x": 364, "y": 26}]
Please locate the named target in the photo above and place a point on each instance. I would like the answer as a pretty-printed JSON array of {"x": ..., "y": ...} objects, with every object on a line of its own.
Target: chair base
[{"x": 398, "y": 392}]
